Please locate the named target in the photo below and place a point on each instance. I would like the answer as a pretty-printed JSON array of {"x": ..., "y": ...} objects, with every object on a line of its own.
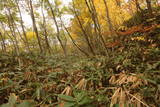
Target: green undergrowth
[{"x": 76, "y": 81}]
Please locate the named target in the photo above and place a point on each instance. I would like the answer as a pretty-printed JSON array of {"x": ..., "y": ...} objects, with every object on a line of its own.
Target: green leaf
[
  {"x": 38, "y": 91},
  {"x": 26, "y": 104},
  {"x": 80, "y": 96},
  {"x": 10, "y": 84},
  {"x": 5, "y": 105},
  {"x": 149, "y": 80},
  {"x": 12, "y": 99},
  {"x": 66, "y": 98},
  {"x": 85, "y": 100},
  {"x": 116, "y": 105},
  {"x": 69, "y": 104},
  {"x": 11, "y": 102}
]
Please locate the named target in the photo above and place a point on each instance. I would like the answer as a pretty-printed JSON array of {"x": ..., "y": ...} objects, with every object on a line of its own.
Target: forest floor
[{"x": 129, "y": 77}]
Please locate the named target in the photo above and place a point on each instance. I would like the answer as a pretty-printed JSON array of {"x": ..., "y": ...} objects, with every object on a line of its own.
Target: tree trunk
[
  {"x": 108, "y": 17},
  {"x": 57, "y": 28},
  {"x": 149, "y": 6},
  {"x": 15, "y": 27},
  {"x": 3, "y": 42},
  {"x": 138, "y": 6},
  {"x": 3, "y": 27},
  {"x": 83, "y": 30},
  {"x": 22, "y": 26},
  {"x": 73, "y": 41},
  {"x": 118, "y": 2},
  {"x": 12, "y": 29},
  {"x": 45, "y": 30},
  {"x": 34, "y": 25},
  {"x": 97, "y": 27}
]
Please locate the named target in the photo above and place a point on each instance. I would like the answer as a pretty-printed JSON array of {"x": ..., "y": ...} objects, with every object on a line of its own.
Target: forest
[{"x": 79, "y": 53}]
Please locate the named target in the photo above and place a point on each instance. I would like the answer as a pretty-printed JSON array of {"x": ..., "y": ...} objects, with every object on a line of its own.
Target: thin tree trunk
[
  {"x": 109, "y": 22},
  {"x": 137, "y": 5},
  {"x": 73, "y": 41},
  {"x": 57, "y": 28},
  {"x": 34, "y": 25},
  {"x": 95, "y": 19},
  {"x": 16, "y": 28},
  {"x": 83, "y": 30},
  {"x": 149, "y": 6},
  {"x": 45, "y": 30},
  {"x": 22, "y": 26},
  {"x": 2, "y": 47},
  {"x": 118, "y": 2},
  {"x": 3, "y": 42},
  {"x": 12, "y": 29},
  {"x": 7, "y": 34},
  {"x": 108, "y": 17},
  {"x": 65, "y": 41}
]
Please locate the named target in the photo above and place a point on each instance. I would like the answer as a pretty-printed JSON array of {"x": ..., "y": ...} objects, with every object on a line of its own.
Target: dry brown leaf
[
  {"x": 112, "y": 80},
  {"x": 27, "y": 75},
  {"x": 131, "y": 78},
  {"x": 138, "y": 103},
  {"x": 67, "y": 90},
  {"x": 58, "y": 70},
  {"x": 82, "y": 84},
  {"x": 24, "y": 90},
  {"x": 122, "y": 98},
  {"x": 122, "y": 80},
  {"x": 115, "y": 97},
  {"x": 136, "y": 98}
]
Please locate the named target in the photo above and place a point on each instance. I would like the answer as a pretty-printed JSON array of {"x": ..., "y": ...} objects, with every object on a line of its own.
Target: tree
[
  {"x": 44, "y": 28},
  {"x": 34, "y": 25},
  {"x": 73, "y": 41},
  {"x": 118, "y": 2},
  {"x": 149, "y": 6},
  {"x": 2, "y": 40},
  {"x": 22, "y": 26},
  {"x": 138, "y": 5},
  {"x": 57, "y": 27},
  {"x": 108, "y": 16},
  {"x": 83, "y": 30},
  {"x": 97, "y": 27}
]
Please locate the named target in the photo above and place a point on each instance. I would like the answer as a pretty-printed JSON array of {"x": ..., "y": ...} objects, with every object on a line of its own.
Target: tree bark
[
  {"x": 12, "y": 29},
  {"x": 108, "y": 16},
  {"x": 83, "y": 30},
  {"x": 22, "y": 26},
  {"x": 34, "y": 25},
  {"x": 118, "y": 2},
  {"x": 137, "y": 5},
  {"x": 94, "y": 17},
  {"x": 57, "y": 28},
  {"x": 3, "y": 42},
  {"x": 3, "y": 27},
  {"x": 149, "y": 6},
  {"x": 73, "y": 41},
  {"x": 45, "y": 30}
]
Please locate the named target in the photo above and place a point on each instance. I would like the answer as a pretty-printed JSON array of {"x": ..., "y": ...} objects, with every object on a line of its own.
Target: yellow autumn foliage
[
  {"x": 138, "y": 38},
  {"x": 117, "y": 15},
  {"x": 31, "y": 35}
]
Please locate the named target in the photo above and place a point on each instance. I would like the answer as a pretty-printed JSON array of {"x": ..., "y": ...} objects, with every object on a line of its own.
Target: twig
[{"x": 136, "y": 98}]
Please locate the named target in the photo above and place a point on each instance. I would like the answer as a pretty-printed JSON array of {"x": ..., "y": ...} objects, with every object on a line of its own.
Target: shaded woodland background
[{"x": 107, "y": 54}]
